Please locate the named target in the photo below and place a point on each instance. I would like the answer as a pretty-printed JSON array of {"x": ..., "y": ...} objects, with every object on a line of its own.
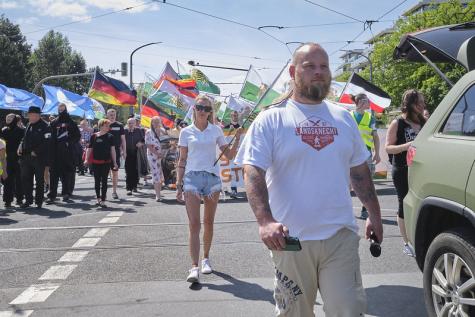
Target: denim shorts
[{"x": 201, "y": 183}]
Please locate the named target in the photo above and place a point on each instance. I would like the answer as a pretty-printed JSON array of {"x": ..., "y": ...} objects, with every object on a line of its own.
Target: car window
[{"x": 462, "y": 119}]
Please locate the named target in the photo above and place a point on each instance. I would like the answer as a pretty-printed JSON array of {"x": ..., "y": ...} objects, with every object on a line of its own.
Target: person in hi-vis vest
[{"x": 367, "y": 127}]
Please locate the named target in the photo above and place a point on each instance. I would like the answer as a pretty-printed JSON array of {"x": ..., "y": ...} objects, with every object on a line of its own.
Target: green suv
[{"x": 439, "y": 209}]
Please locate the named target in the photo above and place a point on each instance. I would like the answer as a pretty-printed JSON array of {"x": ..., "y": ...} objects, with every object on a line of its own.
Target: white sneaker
[
  {"x": 408, "y": 250},
  {"x": 206, "y": 267},
  {"x": 194, "y": 276}
]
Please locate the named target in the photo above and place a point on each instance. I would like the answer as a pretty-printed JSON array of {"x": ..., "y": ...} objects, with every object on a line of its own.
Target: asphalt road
[{"x": 131, "y": 259}]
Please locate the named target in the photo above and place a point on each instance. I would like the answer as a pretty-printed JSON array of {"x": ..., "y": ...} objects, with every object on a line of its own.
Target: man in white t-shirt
[{"x": 299, "y": 157}]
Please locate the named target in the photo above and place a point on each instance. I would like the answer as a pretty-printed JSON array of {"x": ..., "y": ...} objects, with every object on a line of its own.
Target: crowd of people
[
  {"x": 45, "y": 151},
  {"x": 300, "y": 158}
]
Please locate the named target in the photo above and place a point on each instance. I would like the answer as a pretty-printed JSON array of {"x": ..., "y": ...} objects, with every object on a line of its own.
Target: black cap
[{"x": 34, "y": 109}]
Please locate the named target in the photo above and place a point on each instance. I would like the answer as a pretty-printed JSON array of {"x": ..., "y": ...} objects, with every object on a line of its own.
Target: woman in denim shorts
[{"x": 198, "y": 178}]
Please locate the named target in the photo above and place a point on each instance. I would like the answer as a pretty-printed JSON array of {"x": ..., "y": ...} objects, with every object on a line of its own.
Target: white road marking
[
  {"x": 76, "y": 256},
  {"x": 96, "y": 232},
  {"x": 16, "y": 313},
  {"x": 109, "y": 220},
  {"x": 35, "y": 294},
  {"x": 58, "y": 272},
  {"x": 115, "y": 214},
  {"x": 86, "y": 242}
]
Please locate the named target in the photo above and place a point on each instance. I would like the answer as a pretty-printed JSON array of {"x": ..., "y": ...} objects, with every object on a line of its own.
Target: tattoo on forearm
[
  {"x": 364, "y": 187},
  {"x": 256, "y": 189}
]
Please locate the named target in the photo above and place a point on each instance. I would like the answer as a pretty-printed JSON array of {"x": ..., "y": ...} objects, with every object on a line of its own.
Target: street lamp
[
  {"x": 369, "y": 61},
  {"x": 193, "y": 63},
  {"x": 131, "y": 110}
]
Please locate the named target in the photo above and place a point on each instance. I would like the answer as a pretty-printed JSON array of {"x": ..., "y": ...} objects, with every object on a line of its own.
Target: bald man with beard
[{"x": 299, "y": 158}]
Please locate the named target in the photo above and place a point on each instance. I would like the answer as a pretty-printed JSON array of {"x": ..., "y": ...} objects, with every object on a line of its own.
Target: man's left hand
[{"x": 374, "y": 224}]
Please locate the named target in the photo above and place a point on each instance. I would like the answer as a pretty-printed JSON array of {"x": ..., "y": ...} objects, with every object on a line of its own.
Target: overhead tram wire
[
  {"x": 90, "y": 18},
  {"x": 224, "y": 19},
  {"x": 397, "y": 6},
  {"x": 172, "y": 46},
  {"x": 334, "y": 11}
]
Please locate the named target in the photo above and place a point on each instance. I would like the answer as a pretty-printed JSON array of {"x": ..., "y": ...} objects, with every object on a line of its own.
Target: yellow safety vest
[{"x": 365, "y": 130}]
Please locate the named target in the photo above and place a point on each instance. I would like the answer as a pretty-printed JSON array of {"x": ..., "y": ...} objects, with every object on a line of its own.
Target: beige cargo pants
[{"x": 330, "y": 266}]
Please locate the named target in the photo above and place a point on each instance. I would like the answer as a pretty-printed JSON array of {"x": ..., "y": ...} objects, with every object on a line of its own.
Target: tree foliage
[
  {"x": 396, "y": 76},
  {"x": 54, "y": 56},
  {"x": 14, "y": 55}
]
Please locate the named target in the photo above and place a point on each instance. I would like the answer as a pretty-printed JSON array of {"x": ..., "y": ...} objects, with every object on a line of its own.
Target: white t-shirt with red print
[{"x": 307, "y": 152}]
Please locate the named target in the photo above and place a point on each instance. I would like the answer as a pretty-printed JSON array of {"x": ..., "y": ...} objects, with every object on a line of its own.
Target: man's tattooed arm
[
  {"x": 364, "y": 187},
  {"x": 257, "y": 194}
]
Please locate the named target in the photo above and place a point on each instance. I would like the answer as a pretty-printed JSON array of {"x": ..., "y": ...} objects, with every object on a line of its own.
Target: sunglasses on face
[{"x": 203, "y": 108}]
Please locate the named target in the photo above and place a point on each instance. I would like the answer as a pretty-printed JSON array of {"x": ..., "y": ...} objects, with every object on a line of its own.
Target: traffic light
[{"x": 123, "y": 69}]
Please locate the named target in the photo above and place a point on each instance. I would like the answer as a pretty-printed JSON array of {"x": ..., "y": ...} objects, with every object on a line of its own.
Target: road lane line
[
  {"x": 86, "y": 242},
  {"x": 16, "y": 313},
  {"x": 96, "y": 232},
  {"x": 154, "y": 224},
  {"x": 109, "y": 220},
  {"x": 35, "y": 294},
  {"x": 115, "y": 214},
  {"x": 58, "y": 272},
  {"x": 76, "y": 256}
]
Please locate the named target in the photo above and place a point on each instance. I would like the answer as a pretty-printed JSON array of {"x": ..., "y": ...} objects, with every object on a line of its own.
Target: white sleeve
[
  {"x": 220, "y": 140},
  {"x": 360, "y": 151},
  {"x": 183, "y": 139},
  {"x": 257, "y": 147}
]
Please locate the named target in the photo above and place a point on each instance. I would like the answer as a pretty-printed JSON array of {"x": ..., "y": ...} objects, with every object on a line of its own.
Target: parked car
[{"x": 439, "y": 209}]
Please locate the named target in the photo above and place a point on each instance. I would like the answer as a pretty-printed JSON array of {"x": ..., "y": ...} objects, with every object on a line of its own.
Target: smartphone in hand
[{"x": 292, "y": 244}]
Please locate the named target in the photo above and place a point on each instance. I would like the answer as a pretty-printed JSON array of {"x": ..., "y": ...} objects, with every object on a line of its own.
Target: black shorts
[{"x": 117, "y": 158}]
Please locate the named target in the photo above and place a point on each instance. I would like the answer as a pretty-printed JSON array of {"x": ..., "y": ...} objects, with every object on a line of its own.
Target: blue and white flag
[
  {"x": 77, "y": 105},
  {"x": 18, "y": 99}
]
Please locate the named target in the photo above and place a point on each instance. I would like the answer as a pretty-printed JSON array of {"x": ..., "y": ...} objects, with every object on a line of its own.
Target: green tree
[
  {"x": 396, "y": 76},
  {"x": 54, "y": 56},
  {"x": 14, "y": 55}
]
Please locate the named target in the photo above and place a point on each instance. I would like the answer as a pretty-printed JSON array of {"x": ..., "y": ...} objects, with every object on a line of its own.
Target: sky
[{"x": 106, "y": 39}]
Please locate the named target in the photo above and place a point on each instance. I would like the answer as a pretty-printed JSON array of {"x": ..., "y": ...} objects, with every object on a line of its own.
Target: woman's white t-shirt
[
  {"x": 202, "y": 147},
  {"x": 307, "y": 152}
]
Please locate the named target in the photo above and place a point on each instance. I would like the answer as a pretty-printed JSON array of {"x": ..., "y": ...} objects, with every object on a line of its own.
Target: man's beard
[{"x": 314, "y": 91}]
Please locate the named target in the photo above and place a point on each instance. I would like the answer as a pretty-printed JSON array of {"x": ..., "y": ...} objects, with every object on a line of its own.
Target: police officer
[
  {"x": 34, "y": 156},
  {"x": 64, "y": 135}
]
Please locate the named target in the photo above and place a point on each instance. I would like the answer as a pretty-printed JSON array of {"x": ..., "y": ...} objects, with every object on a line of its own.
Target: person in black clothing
[
  {"x": 33, "y": 152},
  {"x": 233, "y": 125},
  {"x": 401, "y": 132},
  {"x": 100, "y": 155},
  {"x": 12, "y": 135},
  {"x": 134, "y": 139},
  {"x": 118, "y": 132},
  {"x": 64, "y": 135}
]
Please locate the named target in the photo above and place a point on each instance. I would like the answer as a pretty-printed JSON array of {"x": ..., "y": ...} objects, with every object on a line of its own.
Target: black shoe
[
  {"x": 25, "y": 205},
  {"x": 50, "y": 201},
  {"x": 46, "y": 188},
  {"x": 135, "y": 190},
  {"x": 66, "y": 197},
  {"x": 364, "y": 213},
  {"x": 39, "y": 206},
  {"x": 8, "y": 205}
]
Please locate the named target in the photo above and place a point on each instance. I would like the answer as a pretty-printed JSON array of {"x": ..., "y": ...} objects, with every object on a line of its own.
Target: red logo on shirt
[{"x": 316, "y": 132}]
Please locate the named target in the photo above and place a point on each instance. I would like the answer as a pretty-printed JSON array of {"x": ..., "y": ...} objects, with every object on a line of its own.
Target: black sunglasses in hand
[{"x": 203, "y": 108}]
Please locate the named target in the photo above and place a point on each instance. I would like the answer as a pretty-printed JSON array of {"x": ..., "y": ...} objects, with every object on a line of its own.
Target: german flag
[
  {"x": 150, "y": 110},
  {"x": 112, "y": 91}
]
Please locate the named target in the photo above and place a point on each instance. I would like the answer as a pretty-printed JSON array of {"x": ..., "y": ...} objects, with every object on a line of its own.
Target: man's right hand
[
  {"x": 18, "y": 152},
  {"x": 273, "y": 235}
]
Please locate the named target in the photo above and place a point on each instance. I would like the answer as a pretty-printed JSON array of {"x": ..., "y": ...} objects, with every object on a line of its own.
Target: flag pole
[
  {"x": 245, "y": 80},
  {"x": 252, "y": 111},
  {"x": 346, "y": 85}
]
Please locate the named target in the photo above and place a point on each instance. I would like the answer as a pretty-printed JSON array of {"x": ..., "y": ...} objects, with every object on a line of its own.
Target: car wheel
[{"x": 449, "y": 279}]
